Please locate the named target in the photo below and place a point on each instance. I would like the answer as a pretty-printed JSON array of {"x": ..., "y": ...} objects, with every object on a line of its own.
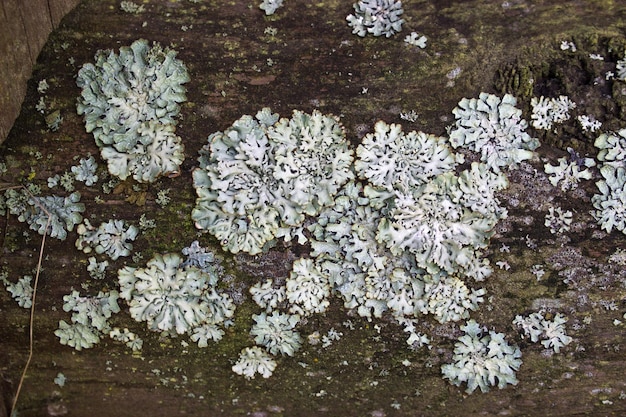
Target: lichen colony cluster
[
  {"x": 396, "y": 227},
  {"x": 403, "y": 236}
]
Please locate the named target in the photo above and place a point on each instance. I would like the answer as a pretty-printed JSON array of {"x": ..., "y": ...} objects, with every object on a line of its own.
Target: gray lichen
[
  {"x": 259, "y": 181},
  {"x": 130, "y": 102}
]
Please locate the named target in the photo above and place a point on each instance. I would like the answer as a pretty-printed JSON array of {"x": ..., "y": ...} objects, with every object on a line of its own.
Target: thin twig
[{"x": 32, "y": 307}]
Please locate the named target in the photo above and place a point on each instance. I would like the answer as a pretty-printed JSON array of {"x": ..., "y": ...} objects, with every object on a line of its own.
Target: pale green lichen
[
  {"x": 550, "y": 111},
  {"x": 610, "y": 204},
  {"x": 21, "y": 291},
  {"x": 270, "y": 6},
  {"x": 85, "y": 171},
  {"x": 174, "y": 298},
  {"x": 393, "y": 160},
  {"x": 551, "y": 333},
  {"x": 494, "y": 128},
  {"x": 130, "y": 102},
  {"x": 53, "y": 215},
  {"x": 446, "y": 222},
  {"x": 252, "y": 361},
  {"x": 378, "y": 17},
  {"x": 276, "y": 332},
  {"x": 570, "y": 171},
  {"x": 482, "y": 360},
  {"x": 89, "y": 318},
  {"x": 257, "y": 182},
  {"x": 112, "y": 238}
]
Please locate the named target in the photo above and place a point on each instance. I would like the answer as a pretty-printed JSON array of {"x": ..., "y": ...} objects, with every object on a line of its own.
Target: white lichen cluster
[
  {"x": 270, "y": 6},
  {"x": 416, "y": 39},
  {"x": 482, "y": 359},
  {"x": 261, "y": 177},
  {"x": 377, "y": 17},
  {"x": 130, "y": 102},
  {"x": 21, "y": 291},
  {"x": 62, "y": 213},
  {"x": 175, "y": 298},
  {"x": 370, "y": 278},
  {"x": 620, "y": 67},
  {"x": 558, "y": 220},
  {"x": 550, "y": 111},
  {"x": 112, "y": 238},
  {"x": 85, "y": 171},
  {"x": 570, "y": 171},
  {"x": 275, "y": 332},
  {"x": 268, "y": 296},
  {"x": 131, "y": 7},
  {"x": 494, "y": 128},
  {"x": 551, "y": 333},
  {"x": 393, "y": 160},
  {"x": 252, "y": 361},
  {"x": 446, "y": 222},
  {"x": 610, "y": 203},
  {"x": 403, "y": 243},
  {"x": 588, "y": 123},
  {"x": 127, "y": 337},
  {"x": 89, "y": 318},
  {"x": 307, "y": 290}
]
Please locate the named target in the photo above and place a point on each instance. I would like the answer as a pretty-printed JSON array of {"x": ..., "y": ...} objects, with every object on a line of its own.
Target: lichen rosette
[
  {"x": 260, "y": 178},
  {"x": 173, "y": 298},
  {"x": 126, "y": 99},
  {"x": 494, "y": 128}
]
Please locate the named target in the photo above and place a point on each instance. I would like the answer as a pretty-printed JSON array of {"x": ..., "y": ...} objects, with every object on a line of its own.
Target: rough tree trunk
[{"x": 24, "y": 29}]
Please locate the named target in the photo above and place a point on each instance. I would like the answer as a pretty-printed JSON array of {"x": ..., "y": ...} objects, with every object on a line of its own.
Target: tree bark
[{"x": 24, "y": 29}]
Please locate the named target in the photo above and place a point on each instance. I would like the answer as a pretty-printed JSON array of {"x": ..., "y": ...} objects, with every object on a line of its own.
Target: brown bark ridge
[{"x": 24, "y": 29}]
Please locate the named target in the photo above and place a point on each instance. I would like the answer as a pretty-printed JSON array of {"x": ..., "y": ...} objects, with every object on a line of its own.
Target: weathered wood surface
[
  {"x": 313, "y": 61},
  {"x": 24, "y": 29}
]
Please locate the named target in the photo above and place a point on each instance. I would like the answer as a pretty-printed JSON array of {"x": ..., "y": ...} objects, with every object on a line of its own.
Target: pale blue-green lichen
[
  {"x": 550, "y": 111},
  {"x": 257, "y": 182},
  {"x": 494, "y": 128},
  {"x": 173, "y": 298},
  {"x": 130, "y": 102},
  {"x": 371, "y": 279},
  {"x": 199, "y": 257},
  {"x": 393, "y": 160},
  {"x": 127, "y": 337},
  {"x": 89, "y": 318},
  {"x": 131, "y": 7},
  {"x": 97, "y": 270},
  {"x": 62, "y": 213},
  {"x": 270, "y": 6},
  {"x": 570, "y": 171},
  {"x": 551, "y": 333},
  {"x": 610, "y": 203},
  {"x": 21, "y": 291},
  {"x": 275, "y": 332},
  {"x": 112, "y": 238},
  {"x": 252, "y": 361},
  {"x": 447, "y": 221},
  {"x": 620, "y": 67},
  {"x": 377, "y": 17},
  {"x": 416, "y": 39},
  {"x": 159, "y": 153},
  {"x": 307, "y": 290},
  {"x": 558, "y": 220},
  {"x": 482, "y": 360},
  {"x": 85, "y": 171},
  {"x": 267, "y": 295}
]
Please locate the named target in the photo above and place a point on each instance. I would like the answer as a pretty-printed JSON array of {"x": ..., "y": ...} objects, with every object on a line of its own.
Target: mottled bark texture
[{"x": 24, "y": 28}]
